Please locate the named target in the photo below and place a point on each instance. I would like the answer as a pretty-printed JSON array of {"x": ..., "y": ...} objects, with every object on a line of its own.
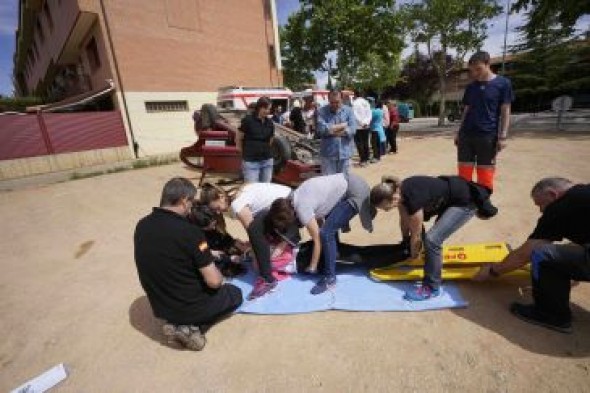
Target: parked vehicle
[
  {"x": 406, "y": 111},
  {"x": 238, "y": 98}
]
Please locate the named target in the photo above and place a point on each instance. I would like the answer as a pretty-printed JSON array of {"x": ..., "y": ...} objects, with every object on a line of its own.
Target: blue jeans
[
  {"x": 331, "y": 166},
  {"x": 451, "y": 220},
  {"x": 338, "y": 218},
  {"x": 553, "y": 268},
  {"x": 257, "y": 171}
]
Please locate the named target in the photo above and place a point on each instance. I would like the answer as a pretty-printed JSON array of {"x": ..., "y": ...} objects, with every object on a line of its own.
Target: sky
[{"x": 8, "y": 24}]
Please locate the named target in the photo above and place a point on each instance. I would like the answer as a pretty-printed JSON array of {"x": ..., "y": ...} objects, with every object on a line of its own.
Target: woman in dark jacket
[{"x": 254, "y": 140}]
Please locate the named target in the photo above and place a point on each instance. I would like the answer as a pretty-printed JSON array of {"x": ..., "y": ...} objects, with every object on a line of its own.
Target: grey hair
[{"x": 556, "y": 183}]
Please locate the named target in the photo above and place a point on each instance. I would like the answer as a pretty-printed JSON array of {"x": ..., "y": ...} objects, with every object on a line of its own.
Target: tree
[
  {"x": 373, "y": 74},
  {"x": 550, "y": 63},
  {"x": 564, "y": 12},
  {"x": 357, "y": 34},
  {"x": 444, "y": 25},
  {"x": 296, "y": 71},
  {"x": 418, "y": 79}
]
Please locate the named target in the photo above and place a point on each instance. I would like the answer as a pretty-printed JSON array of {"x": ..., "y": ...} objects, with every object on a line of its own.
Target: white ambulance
[{"x": 238, "y": 98}]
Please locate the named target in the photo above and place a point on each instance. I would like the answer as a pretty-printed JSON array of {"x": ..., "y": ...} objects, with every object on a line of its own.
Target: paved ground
[{"x": 69, "y": 293}]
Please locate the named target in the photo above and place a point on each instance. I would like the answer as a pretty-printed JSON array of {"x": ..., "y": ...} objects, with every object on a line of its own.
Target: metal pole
[
  {"x": 135, "y": 145},
  {"x": 505, "y": 37}
]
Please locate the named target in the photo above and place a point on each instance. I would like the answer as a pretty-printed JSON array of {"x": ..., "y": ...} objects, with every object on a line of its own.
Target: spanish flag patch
[{"x": 203, "y": 246}]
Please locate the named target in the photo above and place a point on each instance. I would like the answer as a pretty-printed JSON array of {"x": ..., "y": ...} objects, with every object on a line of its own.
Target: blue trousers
[
  {"x": 257, "y": 171},
  {"x": 338, "y": 218}
]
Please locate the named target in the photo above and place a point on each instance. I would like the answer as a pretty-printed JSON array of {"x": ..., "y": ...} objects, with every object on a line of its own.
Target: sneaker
[
  {"x": 188, "y": 335},
  {"x": 528, "y": 314},
  {"x": 421, "y": 292},
  {"x": 325, "y": 283},
  {"x": 363, "y": 164},
  {"x": 373, "y": 160},
  {"x": 261, "y": 288}
]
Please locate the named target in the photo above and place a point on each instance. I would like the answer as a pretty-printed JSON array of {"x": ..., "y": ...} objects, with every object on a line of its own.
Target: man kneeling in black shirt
[
  {"x": 177, "y": 271},
  {"x": 565, "y": 209}
]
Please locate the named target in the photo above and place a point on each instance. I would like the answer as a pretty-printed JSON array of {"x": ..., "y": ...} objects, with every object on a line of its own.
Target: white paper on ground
[{"x": 45, "y": 381}]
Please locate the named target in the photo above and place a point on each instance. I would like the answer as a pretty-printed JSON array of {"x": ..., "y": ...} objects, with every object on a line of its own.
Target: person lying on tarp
[
  {"x": 565, "y": 209},
  {"x": 370, "y": 257},
  {"x": 451, "y": 199}
]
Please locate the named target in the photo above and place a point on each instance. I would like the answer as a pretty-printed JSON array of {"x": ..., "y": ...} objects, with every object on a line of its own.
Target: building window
[
  {"x": 166, "y": 106},
  {"x": 48, "y": 16},
  {"x": 92, "y": 54},
  {"x": 40, "y": 31}
]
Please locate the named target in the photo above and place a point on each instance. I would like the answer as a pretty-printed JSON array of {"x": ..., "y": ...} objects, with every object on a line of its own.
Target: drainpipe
[{"x": 119, "y": 79}]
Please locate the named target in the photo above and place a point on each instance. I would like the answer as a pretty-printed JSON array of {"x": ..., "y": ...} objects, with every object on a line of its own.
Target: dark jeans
[
  {"x": 261, "y": 246},
  {"x": 221, "y": 303},
  {"x": 361, "y": 139},
  {"x": 553, "y": 268},
  {"x": 391, "y": 133},
  {"x": 376, "y": 145},
  {"x": 338, "y": 218},
  {"x": 450, "y": 221}
]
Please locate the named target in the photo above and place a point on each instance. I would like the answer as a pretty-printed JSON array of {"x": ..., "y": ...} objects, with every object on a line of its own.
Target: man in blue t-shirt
[{"x": 486, "y": 118}]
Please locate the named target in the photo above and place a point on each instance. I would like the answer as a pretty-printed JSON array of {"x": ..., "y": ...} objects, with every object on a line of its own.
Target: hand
[
  {"x": 502, "y": 144},
  {"x": 242, "y": 246},
  {"x": 483, "y": 274}
]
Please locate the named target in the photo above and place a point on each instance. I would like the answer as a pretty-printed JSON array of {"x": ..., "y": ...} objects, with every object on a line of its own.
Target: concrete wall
[
  {"x": 23, "y": 167},
  {"x": 164, "y": 132}
]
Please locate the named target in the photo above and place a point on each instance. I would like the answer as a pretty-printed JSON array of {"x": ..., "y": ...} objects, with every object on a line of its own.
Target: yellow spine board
[
  {"x": 459, "y": 263},
  {"x": 411, "y": 274},
  {"x": 470, "y": 254}
]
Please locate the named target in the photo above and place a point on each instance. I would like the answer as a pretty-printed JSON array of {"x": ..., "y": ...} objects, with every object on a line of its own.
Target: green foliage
[
  {"x": 296, "y": 71},
  {"x": 450, "y": 24},
  {"x": 18, "y": 104},
  {"x": 363, "y": 36},
  {"x": 374, "y": 73},
  {"x": 564, "y": 12},
  {"x": 548, "y": 64}
]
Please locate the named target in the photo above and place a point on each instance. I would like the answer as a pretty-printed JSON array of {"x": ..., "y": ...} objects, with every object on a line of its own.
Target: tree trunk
[{"x": 442, "y": 100}]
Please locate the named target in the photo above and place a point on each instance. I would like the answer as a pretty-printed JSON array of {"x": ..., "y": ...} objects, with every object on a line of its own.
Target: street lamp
[{"x": 505, "y": 37}]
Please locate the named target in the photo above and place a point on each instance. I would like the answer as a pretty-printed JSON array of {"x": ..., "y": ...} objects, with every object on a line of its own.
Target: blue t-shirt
[
  {"x": 485, "y": 100},
  {"x": 377, "y": 123}
]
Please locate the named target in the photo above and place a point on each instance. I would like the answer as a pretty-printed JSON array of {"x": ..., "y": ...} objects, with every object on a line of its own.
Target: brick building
[{"x": 166, "y": 57}]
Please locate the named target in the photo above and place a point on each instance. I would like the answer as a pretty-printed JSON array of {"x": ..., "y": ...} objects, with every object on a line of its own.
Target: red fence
[{"x": 53, "y": 133}]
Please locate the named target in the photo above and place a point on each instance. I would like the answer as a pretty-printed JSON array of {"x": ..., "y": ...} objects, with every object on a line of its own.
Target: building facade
[{"x": 165, "y": 57}]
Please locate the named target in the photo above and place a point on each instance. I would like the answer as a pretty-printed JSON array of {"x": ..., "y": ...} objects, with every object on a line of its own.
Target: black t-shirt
[
  {"x": 433, "y": 195},
  {"x": 296, "y": 118},
  {"x": 257, "y": 136},
  {"x": 169, "y": 251},
  {"x": 568, "y": 217}
]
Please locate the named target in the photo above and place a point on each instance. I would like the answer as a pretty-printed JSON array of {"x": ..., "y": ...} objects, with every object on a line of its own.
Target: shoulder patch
[{"x": 203, "y": 246}]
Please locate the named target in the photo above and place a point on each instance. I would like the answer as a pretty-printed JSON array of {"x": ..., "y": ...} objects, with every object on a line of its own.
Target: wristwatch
[{"x": 492, "y": 272}]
